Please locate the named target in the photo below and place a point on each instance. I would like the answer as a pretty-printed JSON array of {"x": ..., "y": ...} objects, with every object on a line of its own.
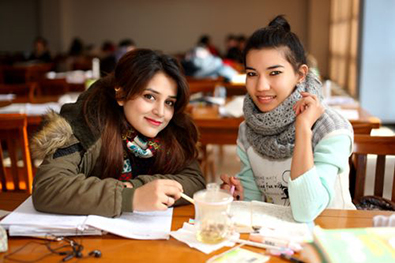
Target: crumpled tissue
[
  {"x": 3, "y": 240},
  {"x": 384, "y": 221},
  {"x": 187, "y": 235}
]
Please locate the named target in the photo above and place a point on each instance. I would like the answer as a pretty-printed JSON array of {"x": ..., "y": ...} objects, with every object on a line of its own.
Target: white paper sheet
[
  {"x": 233, "y": 108},
  {"x": 138, "y": 225},
  {"x": 276, "y": 219},
  {"x": 31, "y": 109},
  {"x": 26, "y": 215},
  {"x": 26, "y": 221},
  {"x": 349, "y": 114}
]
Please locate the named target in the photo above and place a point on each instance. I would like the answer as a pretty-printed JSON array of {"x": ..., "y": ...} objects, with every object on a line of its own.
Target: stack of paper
[
  {"x": 234, "y": 108},
  {"x": 274, "y": 219},
  {"x": 31, "y": 109},
  {"x": 26, "y": 221}
]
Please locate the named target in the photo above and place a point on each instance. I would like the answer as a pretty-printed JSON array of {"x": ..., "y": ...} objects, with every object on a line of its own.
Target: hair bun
[{"x": 280, "y": 22}]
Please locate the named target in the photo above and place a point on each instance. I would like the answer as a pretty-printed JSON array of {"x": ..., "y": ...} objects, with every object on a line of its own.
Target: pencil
[{"x": 187, "y": 198}]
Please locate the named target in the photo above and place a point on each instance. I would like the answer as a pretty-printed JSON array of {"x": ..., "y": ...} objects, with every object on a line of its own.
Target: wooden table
[
  {"x": 129, "y": 250},
  {"x": 216, "y": 129}
]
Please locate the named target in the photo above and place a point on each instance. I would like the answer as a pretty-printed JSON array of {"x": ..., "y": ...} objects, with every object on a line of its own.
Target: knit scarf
[
  {"x": 140, "y": 146},
  {"x": 272, "y": 134}
]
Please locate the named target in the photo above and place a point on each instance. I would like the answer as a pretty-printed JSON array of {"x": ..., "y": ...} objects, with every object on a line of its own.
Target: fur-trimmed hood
[
  {"x": 58, "y": 129},
  {"x": 55, "y": 133}
]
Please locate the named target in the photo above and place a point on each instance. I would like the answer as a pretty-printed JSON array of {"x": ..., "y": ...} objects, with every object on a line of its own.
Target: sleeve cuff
[{"x": 127, "y": 199}]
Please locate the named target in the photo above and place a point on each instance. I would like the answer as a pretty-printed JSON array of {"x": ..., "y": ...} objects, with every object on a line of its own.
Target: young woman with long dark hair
[{"x": 125, "y": 145}]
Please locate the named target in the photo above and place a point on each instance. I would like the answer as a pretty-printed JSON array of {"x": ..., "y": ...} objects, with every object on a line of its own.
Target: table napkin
[
  {"x": 187, "y": 235},
  {"x": 3, "y": 240},
  {"x": 384, "y": 221}
]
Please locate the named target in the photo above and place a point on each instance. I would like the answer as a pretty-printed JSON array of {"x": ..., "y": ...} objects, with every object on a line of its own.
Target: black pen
[{"x": 291, "y": 258}]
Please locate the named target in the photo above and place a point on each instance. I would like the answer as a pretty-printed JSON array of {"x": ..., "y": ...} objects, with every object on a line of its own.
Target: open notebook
[{"x": 26, "y": 221}]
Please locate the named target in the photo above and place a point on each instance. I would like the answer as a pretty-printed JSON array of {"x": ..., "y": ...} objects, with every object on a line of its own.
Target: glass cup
[{"x": 212, "y": 221}]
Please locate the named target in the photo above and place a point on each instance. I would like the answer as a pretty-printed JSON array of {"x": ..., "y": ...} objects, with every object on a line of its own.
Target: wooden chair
[
  {"x": 362, "y": 128},
  {"x": 13, "y": 134},
  {"x": 383, "y": 147},
  {"x": 25, "y": 73},
  {"x": 234, "y": 89},
  {"x": 50, "y": 87},
  {"x": 24, "y": 92},
  {"x": 205, "y": 85}
]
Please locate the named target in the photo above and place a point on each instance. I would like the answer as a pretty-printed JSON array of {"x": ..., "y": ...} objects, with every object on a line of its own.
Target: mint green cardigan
[{"x": 323, "y": 186}]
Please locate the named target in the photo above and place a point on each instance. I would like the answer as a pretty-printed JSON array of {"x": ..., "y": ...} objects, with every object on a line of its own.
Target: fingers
[
  {"x": 169, "y": 183},
  {"x": 238, "y": 194},
  {"x": 168, "y": 188},
  {"x": 305, "y": 102},
  {"x": 157, "y": 195},
  {"x": 226, "y": 185},
  {"x": 169, "y": 201}
]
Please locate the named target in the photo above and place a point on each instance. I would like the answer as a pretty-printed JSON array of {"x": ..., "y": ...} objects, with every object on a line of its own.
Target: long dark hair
[
  {"x": 132, "y": 73},
  {"x": 276, "y": 35}
]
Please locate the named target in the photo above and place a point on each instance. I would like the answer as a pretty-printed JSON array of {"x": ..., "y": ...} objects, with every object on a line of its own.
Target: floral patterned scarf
[{"x": 140, "y": 146}]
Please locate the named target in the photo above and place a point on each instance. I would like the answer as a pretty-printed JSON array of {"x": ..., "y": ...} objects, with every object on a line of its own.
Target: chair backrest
[
  {"x": 362, "y": 128},
  {"x": 48, "y": 87},
  {"x": 13, "y": 135},
  {"x": 25, "y": 91},
  {"x": 383, "y": 147},
  {"x": 205, "y": 85},
  {"x": 25, "y": 73}
]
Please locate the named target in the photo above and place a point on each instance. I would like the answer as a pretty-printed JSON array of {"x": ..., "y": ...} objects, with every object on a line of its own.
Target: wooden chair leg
[
  {"x": 2, "y": 171},
  {"x": 27, "y": 162},
  {"x": 11, "y": 146}
]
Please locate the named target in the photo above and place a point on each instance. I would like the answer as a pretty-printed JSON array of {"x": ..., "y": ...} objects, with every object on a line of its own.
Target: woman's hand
[
  {"x": 231, "y": 181},
  {"x": 308, "y": 110},
  {"x": 156, "y": 195}
]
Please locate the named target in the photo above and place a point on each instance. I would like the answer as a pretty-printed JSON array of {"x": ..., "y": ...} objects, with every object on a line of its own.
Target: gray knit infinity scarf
[{"x": 272, "y": 134}]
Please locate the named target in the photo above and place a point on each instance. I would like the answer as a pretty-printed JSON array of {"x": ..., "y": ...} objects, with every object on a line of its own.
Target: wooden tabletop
[
  {"x": 217, "y": 129},
  {"x": 129, "y": 250}
]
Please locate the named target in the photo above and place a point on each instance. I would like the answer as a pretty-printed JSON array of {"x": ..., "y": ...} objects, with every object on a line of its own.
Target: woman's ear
[
  {"x": 303, "y": 70},
  {"x": 118, "y": 96},
  {"x": 120, "y": 102}
]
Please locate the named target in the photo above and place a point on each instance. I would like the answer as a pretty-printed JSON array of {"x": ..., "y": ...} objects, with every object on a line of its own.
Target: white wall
[
  {"x": 169, "y": 25},
  {"x": 172, "y": 25},
  {"x": 18, "y": 24},
  {"x": 377, "y": 74}
]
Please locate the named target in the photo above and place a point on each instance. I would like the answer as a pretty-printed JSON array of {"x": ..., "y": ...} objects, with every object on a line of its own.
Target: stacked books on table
[
  {"x": 26, "y": 221},
  {"x": 352, "y": 245}
]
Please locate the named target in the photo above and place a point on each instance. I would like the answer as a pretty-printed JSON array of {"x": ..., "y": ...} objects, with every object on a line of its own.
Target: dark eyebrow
[
  {"x": 275, "y": 66},
  {"x": 271, "y": 67},
  {"x": 156, "y": 92}
]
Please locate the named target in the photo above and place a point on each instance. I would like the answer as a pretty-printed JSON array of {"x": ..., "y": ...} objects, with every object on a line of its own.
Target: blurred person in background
[
  {"x": 40, "y": 51},
  {"x": 124, "y": 46}
]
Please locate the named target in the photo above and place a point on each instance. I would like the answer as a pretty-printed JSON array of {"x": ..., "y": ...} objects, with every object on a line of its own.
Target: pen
[
  {"x": 275, "y": 241},
  {"x": 187, "y": 198},
  {"x": 256, "y": 244},
  {"x": 291, "y": 258},
  {"x": 232, "y": 189}
]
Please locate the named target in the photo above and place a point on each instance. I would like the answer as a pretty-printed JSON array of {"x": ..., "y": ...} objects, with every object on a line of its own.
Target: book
[
  {"x": 352, "y": 245},
  {"x": 26, "y": 221}
]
